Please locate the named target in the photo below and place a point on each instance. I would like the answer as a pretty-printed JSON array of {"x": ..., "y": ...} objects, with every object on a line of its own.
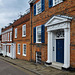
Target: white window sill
[
  {"x": 38, "y": 42},
  {"x": 18, "y": 53},
  {"x": 23, "y": 35},
  {"x": 24, "y": 54},
  {"x": 56, "y": 4},
  {"x": 15, "y": 37}
]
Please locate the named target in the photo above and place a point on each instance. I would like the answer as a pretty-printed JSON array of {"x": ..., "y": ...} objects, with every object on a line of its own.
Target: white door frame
[
  {"x": 54, "y": 45},
  {"x": 60, "y": 23}
]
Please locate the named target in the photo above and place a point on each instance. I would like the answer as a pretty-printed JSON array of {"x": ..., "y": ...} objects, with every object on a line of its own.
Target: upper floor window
[
  {"x": 39, "y": 34},
  {"x": 39, "y": 7},
  {"x": 16, "y": 33},
  {"x": 54, "y": 2},
  {"x": 10, "y": 36},
  {"x": 6, "y": 37},
  {"x": 24, "y": 30}
]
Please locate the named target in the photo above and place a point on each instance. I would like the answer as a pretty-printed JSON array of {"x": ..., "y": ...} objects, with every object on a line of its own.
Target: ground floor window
[
  {"x": 18, "y": 48},
  {"x": 24, "y": 49}
]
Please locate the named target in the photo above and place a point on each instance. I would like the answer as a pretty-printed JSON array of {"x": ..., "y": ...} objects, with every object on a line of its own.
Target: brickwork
[
  {"x": 22, "y": 40},
  {"x": 0, "y": 41},
  {"x": 66, "y": 8}
]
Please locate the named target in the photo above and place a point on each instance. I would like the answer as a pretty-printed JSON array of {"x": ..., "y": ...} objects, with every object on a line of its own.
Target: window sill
[
  {"x": 56, "y": 4},
  {"x": 38, "y": 42},
  {"x": 23, "y": 35},
  {"x": 15, "y": 37},
  {"x": 18, "y": 53},
  {"x": 24, "y": 54}
]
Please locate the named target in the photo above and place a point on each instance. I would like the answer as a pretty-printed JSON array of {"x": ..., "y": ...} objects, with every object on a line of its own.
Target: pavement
[{"x": 36, "y": 68}]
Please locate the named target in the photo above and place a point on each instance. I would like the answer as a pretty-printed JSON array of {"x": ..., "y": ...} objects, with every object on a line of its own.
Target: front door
[{"x": 60, "y": 50}]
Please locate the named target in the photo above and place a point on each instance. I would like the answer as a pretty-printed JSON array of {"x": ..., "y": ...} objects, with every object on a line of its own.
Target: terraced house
[
  {"x": 16, "y": 38},
  {"x": 21, "y": 36},
  {"x": 8, "y": 48},
  {"x": 53, "y": 24},
  {"x": 43, "y": 35},
  {"x": 0, "y": 44}
]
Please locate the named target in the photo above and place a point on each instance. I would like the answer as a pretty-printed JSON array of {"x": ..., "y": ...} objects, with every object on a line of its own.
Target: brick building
[
  {"x": 44, "y": 35},
  {"x": 0, "y": 45},
  {"x": 8, "y": 48},
  {"x": 53, "y": 24},
  {"x": 21, "y": 36}
]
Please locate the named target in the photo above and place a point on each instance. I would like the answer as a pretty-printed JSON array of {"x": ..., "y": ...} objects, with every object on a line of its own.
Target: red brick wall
[
  {"x": 65, "y": 8},
  {"x": 22, "y": 40}
]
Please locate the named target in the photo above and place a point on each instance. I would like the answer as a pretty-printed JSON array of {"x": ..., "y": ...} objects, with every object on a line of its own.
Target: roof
[{"x": 31, "y": 1}]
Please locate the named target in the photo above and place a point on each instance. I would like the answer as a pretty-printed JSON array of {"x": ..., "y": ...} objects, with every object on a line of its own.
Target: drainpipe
[
  {"x": 12, "y": 33},
  {"x": 12, "y": 42},
  {"x": 31, "y": 28}
]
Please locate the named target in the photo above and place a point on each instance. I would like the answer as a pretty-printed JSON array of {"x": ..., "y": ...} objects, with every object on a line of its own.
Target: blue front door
[{"x": 60, "y": 50}]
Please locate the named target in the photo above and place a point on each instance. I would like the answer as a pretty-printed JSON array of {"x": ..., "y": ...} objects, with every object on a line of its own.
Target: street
[{"x": 9, "y": 69}]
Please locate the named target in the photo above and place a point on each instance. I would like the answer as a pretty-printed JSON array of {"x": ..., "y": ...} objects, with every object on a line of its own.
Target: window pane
[
  {"x": 18, "y": 48},
  {"x": 39, "y": 7},
  {"x": 58, "y": 1},
  {"x": 24, "y": 49},
  {"x": 39, "y": 34},
  {"x": 24, "y": 30}
]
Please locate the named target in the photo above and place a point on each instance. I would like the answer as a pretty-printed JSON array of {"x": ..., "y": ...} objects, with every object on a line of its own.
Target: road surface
[{"x": 9, "y": 69}]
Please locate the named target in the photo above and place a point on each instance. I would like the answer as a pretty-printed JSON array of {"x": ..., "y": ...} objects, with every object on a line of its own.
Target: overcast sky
[{"x": 10, "y": 10}]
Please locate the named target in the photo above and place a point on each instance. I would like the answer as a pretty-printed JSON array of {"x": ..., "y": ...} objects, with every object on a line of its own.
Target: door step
[{"x": 57, "y": 65}]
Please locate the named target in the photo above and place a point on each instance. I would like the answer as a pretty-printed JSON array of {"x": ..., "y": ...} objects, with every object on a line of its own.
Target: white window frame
[
  {"x": 36, "y": 34},
  {"x": 58, "y": 1},
  {"x": 23, "y": 31},
  {"x": 18, "y": 49},
  {"x": 37, "y": 7},
  {"x": 6, "y": 37},
  {"x": 23, "y": 50},
  {"x": 10, "y": 36},
  {"x": 15, "y": 32}
]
